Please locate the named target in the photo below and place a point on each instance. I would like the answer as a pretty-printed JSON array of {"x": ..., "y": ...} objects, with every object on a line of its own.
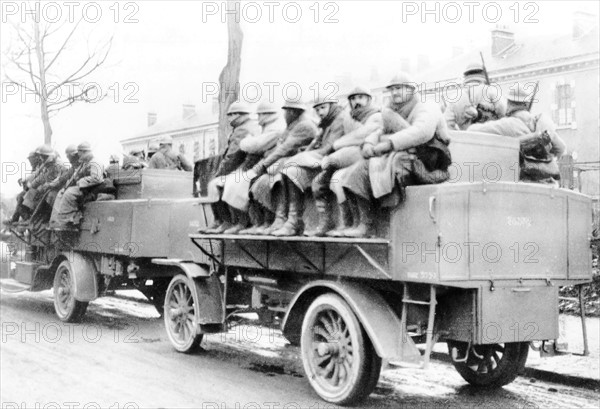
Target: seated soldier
[
  {"x": 152, "y": 149},
  {"x": 22, "y": 212},
  {"x": 50, "y": 168},
  {"x": 135, "y": 160},
  {"x": 477, "y": 101},
  {"x": 267, "y": 188},
  {"x": 236, "y": 190},
  {"x": 165, "y": 158},
  {"x": 363, "y": 119},
  {"x": 66, "y": 213},
  {"x": 539, "y": 152},
  {"x": 415, "y": 152},
  {"x": 52, "y": 188},
  {"x": 299, "y": 171},
  {"x": 238, "y": 115}
]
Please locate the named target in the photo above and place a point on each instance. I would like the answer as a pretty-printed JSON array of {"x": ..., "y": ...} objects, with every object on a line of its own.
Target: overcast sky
[{"x": 166, "y": 52}]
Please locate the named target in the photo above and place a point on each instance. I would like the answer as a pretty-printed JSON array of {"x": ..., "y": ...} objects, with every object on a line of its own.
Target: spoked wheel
[
  {"x": 492, "y": 365},
  {"x": 338, "y": 357},
  {"x": 66, "y": 306},
  {"x": 181, "y": 321}
]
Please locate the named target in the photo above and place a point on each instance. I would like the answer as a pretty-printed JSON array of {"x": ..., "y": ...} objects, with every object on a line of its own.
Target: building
[
  {"x": 194, "y": 135},
  {"x": 567, "y": 68}
]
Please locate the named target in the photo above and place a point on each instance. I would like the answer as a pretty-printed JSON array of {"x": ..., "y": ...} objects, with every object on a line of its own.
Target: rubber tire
[
  {"x": 77, "y": 309},
  {"x": 510, "y": 365},
  {"x": 367, "y": 364},
  {"x": 192, "y": 343}
]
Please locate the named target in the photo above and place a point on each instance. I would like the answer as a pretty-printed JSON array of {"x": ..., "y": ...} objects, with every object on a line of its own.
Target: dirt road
[{"x": 119, "y": 357}]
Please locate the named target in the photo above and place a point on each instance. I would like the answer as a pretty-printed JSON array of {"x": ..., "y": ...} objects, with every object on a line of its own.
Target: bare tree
[
  {"x": 41, "y": 62},
  {"x": 230, "y": 76}
]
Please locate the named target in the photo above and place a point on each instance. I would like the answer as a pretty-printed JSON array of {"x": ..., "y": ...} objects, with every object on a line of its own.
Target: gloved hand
[
  {"x": 383, "y": 147},
  {"x": 471, "y": 113},
  {"x": 368, "y": 151},
  {"x": 326, "y": 163}
]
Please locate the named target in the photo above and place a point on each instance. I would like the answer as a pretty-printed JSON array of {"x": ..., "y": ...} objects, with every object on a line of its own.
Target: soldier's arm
[
  {"x": 420, "y": 131},
  {"x": 335, "y": 132},
  {"x": 357, "y": 137},
  {"x": 450, "y": 116},
  {"x": 95, "y": 177},
  {"x": 302, "y": 135},
  {"x": 184, "y": 163},
  {"x": 235, "y": 155},
  {"x": 493, "y": 127},
  {"x": 259, "y": 143}
]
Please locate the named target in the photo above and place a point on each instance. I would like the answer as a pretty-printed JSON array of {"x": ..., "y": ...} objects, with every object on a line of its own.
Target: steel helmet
[
  {"x": 294, "y": 104},
  {"x": 402, "y": 78},
  {"x": 266, "y": 107},
  {"x": 473, "y": 68},
  {"x": 45, "y": 150},
  {"x": 32, "y": 154},
  {"x": 323, "y": 100},
  {"x": 71, "y": 150},
  {"x": 84, "y": 147},
  {"x": 153, "y": 147},
  {"x": 360, "y": 90},
  {"x": 165, "y": 140},
  {"x": 238, "y": 108}
]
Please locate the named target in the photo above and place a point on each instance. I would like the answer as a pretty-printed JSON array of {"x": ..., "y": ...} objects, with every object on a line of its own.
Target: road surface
[{"x": 120, "y": 357}]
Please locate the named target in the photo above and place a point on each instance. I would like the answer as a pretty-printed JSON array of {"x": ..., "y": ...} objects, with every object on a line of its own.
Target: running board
[{"x": 239, "y": 237}]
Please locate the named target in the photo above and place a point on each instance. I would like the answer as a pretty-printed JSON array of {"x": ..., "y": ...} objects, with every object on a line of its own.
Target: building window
[{"x": 564, "y": 114}]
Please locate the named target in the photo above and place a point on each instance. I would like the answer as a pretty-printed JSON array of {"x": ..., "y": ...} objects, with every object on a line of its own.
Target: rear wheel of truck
[
  {"x": 180, "y": 317},
  {"x": 66, "y": 306},
  {"x": 492, "y": 365},
  {"x": 339, "y": 360}
]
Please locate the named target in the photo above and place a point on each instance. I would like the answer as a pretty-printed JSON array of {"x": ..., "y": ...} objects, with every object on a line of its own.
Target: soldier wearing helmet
[
  {"x": 236, "y": 193},
  {"x": 135, "y": 159},
  {"x": 269, "y": 189},
  {"x": 539, "y": 158},
  {"x": 49, "y": 170},
  {"x": 477, "y": 102},
  {"x": 409, "y": 148},
  {"x": 66, "y": 173},
  {"x": 21, "y": 211},
  {"x": 166, "y": 158},
  {"x": 362, "y": 119},
  {"x": 89, "y": 174},
  {"x": 225, "y": 217}
]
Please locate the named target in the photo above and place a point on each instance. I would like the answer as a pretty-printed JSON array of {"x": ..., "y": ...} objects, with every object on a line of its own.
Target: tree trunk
[
  {"x": 229, "y": 79},
  {"x": 43, "y": 91}
]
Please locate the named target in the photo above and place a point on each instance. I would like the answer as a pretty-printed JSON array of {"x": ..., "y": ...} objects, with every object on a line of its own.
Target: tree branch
[{"x": 60, "y": 50}]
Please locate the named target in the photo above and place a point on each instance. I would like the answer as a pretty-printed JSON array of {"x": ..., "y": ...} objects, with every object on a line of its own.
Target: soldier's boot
[
  {"x": 294, "y": 225},
  {"x": 240, "y": 219},
  {"x": 347, "y": 220},
  {"x": 257, "y": 218},
  {"x": 221, "y": 222},
  {"x": 364, "y": 227},
  {"x": 326, "y": 218},
  {"x": 269, "y": 217},
  {"x": 281, "y": 210}
]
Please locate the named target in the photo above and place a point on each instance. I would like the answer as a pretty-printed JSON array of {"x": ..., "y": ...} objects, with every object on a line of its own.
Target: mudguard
[
  {"x": 210, "y": 308},
  {"x": 84, "y": 276},
  {"x": 378, "y": 319}
]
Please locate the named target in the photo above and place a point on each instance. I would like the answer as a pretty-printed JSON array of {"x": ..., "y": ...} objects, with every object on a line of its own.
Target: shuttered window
[{"x": 563, "y": 109}]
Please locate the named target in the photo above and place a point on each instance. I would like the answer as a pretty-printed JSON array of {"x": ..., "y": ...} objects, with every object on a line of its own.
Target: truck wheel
[
  {"x": 179, "y": 314},
  {"x": 492, "y": 365},
  {"x": 338, "y": 357},
  {"x": 66, "y": 306}
]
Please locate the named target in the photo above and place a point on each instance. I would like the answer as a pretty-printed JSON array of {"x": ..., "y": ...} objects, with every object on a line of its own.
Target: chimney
[
  {"x": 152, "y": 118},
  {"x": 502, "y": 39},
  {"x": 188, "y": 110},
  {"x": 457, "y": 50},
  {"x": 583, "y": 23},
  {"x": 422, "y": 62}
]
